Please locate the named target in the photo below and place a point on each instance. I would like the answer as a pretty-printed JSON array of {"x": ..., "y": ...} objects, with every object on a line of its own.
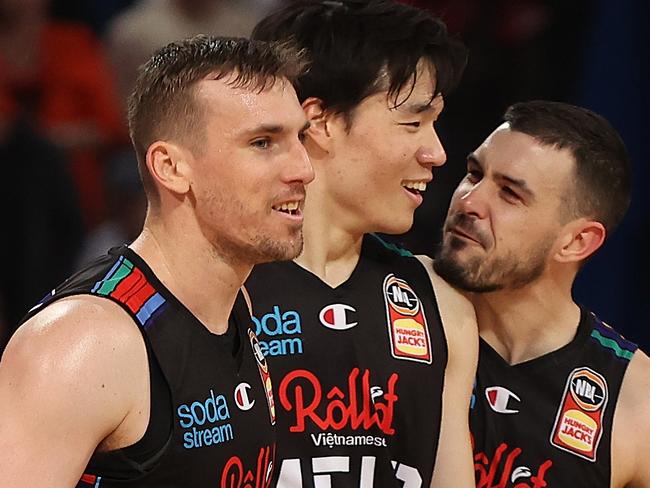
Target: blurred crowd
[{"x": 70, "y": 179}]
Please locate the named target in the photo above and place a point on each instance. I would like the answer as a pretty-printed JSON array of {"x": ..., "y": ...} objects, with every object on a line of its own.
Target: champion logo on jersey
[
  {"x": 579, "y": 421},
  {"x": 336, "y": 316},
  {"x": 242, "y": 397},
  {"x": 407, "y": 325},
  {"x": 501, "y": 399}
]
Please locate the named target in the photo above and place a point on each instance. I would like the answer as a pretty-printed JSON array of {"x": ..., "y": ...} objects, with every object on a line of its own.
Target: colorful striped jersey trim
[
  {"x": 392, "y": 247},
  {"x": 128, "y": 285},
  {"x": 612, "y": 340}
]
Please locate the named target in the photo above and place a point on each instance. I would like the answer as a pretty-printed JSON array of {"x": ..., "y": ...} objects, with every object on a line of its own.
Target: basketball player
[
  {"x": 373, "y": 356},
  {"x": 131, "y": 373},
  {"x": 561, "y": 399}
]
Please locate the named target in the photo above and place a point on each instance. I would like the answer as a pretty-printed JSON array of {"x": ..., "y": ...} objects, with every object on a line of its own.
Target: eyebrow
[
  {"x": 520, "y": 184},
  {"x": 418, "y": 107},
  {"x": 272, "y": 129}
]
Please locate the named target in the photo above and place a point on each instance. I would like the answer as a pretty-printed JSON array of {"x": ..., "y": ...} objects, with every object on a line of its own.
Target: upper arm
[
  {"x": 461, "y": 331},
  {"x": 630, "y": 448},
  {"x": 454, "y": 467},
  {"x": 61, "y": 391}
]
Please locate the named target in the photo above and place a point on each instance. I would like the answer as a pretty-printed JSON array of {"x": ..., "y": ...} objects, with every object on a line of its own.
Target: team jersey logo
[
  {"x": 205, "y": 422},
  {"x": 236, "y": 474},
  {"x": 263, "y": 368},
  {"x": 499, "y": 399},
  {"x": 242, "y": 398},
  {"x": 355, "y": 405},
  {"x": 279, "y": 332},
  {"x": 579, "y": 421},
  {"x": 335, "y": 316},
  {"x": 407, "y": 324},
  {"x": 494, "y": 470}
]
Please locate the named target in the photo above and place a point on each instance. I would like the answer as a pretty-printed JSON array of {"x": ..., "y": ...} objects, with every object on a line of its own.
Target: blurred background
[{"x": 71, "y": 185}]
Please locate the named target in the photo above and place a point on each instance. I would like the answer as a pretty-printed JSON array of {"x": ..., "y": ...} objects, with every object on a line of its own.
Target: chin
[
  {"x": 281, "y": 250},
  {"x": 396, "y": 227}
]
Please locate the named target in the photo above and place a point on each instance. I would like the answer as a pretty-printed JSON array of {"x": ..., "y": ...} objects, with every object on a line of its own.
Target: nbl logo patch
[
  {"x": 407, "y": 325},
  {"x": 579, "y": 421},
  {"x": 263, "y": 368}
]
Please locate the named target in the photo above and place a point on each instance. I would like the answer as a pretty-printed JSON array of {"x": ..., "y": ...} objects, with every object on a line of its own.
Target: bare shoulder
[
  {"x": 634, "y": 397},
  {"x": 78, "y": 335},
  {"x": 68, "y": 378},
  {"x": 632, "y": 425},
  {"x": 456, "y": 311}
]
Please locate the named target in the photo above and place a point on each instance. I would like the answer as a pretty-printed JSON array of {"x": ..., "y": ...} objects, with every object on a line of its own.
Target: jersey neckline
[
  {"x": 344, "y": 284},
  {"x": 548, "y": 359}
]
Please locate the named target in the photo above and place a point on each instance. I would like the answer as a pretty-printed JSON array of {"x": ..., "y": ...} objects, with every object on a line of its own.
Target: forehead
[
  {"x": 412, "y": 99},
  {"x": 545, "y": 169},
  {"x": 236, "y": 108}
]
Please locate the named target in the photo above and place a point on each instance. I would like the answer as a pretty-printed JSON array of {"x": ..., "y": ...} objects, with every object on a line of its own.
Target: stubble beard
[
  {"x": 483, "y": 275},
  {"x": 260, "y": 249},
  {"x": 249, "y": 249},
  {"x": 267, "y": 250}
]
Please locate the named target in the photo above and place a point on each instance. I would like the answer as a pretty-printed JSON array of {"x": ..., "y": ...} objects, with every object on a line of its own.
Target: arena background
[{"x": 69, "y": 179}]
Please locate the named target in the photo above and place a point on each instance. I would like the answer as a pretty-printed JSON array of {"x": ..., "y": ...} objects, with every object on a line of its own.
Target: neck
[
  {"x": 332, "y": 244},
  {"x": 206, "y": 283},
  {"x": 529, "y": 322}
]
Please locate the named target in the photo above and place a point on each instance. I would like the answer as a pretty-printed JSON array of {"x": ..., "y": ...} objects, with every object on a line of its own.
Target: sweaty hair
[
  {"x": 162, "y": 105},
  {"x": 602, "y": 181},
  {"x": 360, "y": 47}
]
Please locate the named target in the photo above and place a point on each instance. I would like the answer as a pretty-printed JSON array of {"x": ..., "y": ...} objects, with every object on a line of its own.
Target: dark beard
[
  {"x": 507, "y": 272},
  {"x": 458, "y": 275}
]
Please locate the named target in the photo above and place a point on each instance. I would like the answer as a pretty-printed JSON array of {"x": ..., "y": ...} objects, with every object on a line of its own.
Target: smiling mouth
[
  {"x": 416, "y": 187},
  {"x": 290, "y": 208}
]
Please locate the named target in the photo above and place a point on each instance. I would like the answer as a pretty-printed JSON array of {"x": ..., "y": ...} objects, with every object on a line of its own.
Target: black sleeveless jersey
[
  {"x": 221, "y": 432},
  {"x": 547, "y": 422},
  {"x": 358, "y": 370}
]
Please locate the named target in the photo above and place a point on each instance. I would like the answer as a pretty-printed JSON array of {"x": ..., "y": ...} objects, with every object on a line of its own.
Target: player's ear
[
  {"x": 318, "y": 133},
  {"x": 169, "y": 167},
  {"x": 580, "y": 240}
]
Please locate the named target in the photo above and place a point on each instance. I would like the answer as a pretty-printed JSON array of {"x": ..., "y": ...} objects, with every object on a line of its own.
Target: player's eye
[{"x": 261, "y": 143}]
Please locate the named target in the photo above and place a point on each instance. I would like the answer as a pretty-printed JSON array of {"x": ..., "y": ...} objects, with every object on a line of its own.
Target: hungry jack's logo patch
[
  {"x": 407, "y": 324},
  {"x": 579, "y": 421}
]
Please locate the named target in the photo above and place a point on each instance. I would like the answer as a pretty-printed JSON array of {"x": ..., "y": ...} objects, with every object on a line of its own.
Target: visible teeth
[
  {"x": 415, "y": 185},
  {"x": 287, "y": 207}
]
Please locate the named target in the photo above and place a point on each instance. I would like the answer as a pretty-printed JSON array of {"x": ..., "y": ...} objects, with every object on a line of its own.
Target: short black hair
[
  {"x": 602, "y": 181},
  {"x": 353, "y": 43},
  {"x": 162, "y": 104}
]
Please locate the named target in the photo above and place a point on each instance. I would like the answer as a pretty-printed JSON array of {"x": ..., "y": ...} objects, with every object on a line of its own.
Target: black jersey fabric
[
  {"x": 212, "y": 412},
  {"x": 547, "y": 422},
  {"x": 358, "y": 370}
]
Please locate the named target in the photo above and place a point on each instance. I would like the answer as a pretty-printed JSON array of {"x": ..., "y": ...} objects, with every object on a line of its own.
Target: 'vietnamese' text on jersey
[
  {"x": 222, "y": 433},
  {"x": 547, "y": 422},
  {"x": 358, "y": 370}
]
